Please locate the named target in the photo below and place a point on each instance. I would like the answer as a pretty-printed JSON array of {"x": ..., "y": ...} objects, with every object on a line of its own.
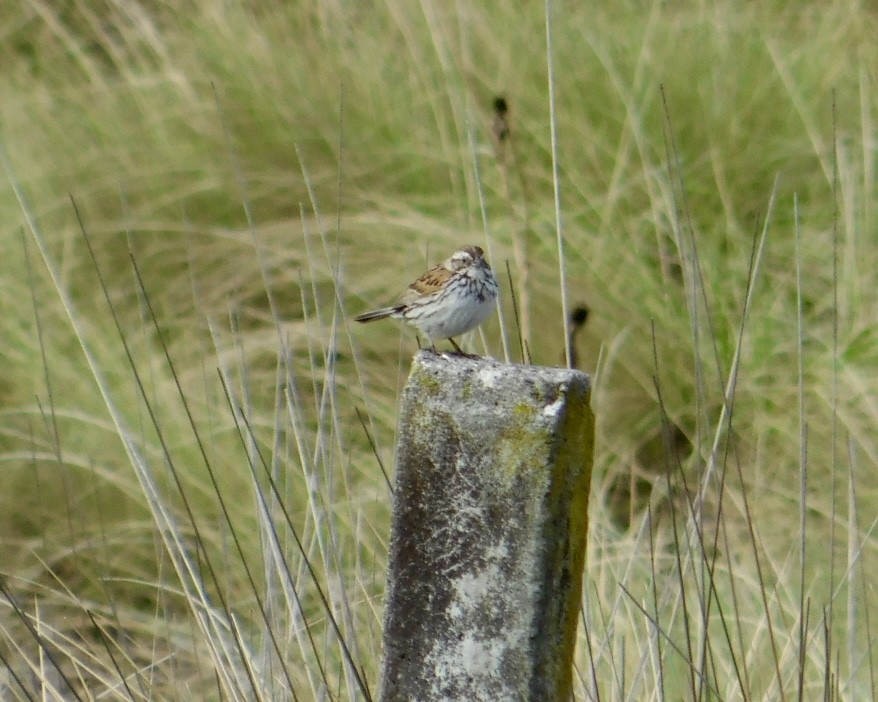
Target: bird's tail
[{"x": 375, "y": 314}]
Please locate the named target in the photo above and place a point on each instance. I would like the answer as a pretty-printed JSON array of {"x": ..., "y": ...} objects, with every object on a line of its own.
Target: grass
[{"x": 202, "y": 511}]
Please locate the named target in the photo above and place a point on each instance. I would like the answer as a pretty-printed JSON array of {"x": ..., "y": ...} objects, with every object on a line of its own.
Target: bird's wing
[{"x": 429, "y": 283}]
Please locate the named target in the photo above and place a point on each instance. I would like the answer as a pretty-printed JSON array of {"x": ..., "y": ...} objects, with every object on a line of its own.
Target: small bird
[{"x": 448, "y": 300}]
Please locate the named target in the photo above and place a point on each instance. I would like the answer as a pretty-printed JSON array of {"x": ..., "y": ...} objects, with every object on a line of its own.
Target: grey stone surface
[{"x": 489, "y": 531}]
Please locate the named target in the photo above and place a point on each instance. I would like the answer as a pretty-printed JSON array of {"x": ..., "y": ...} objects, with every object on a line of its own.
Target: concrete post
[{"x": 489, "y": 529}]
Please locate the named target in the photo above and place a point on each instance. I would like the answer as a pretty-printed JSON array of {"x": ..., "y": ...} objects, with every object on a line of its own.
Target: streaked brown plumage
[{"x": 450, "y": 299}]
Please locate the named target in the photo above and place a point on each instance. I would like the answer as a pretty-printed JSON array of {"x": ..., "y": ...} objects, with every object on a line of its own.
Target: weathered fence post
[{"x": 489, "y": 529}]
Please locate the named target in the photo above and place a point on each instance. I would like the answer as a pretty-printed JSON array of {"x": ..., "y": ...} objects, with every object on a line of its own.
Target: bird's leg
[
  {"x": 432, "y": 345},
  {"x": 456, "y": 347}
]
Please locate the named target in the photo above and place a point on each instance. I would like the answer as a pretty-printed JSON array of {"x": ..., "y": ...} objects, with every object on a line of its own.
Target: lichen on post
[{"x": 489, "y": 531}]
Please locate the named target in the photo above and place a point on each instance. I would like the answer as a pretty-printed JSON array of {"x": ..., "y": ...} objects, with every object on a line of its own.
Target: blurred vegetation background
[{"x": 196, "y": 444}]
